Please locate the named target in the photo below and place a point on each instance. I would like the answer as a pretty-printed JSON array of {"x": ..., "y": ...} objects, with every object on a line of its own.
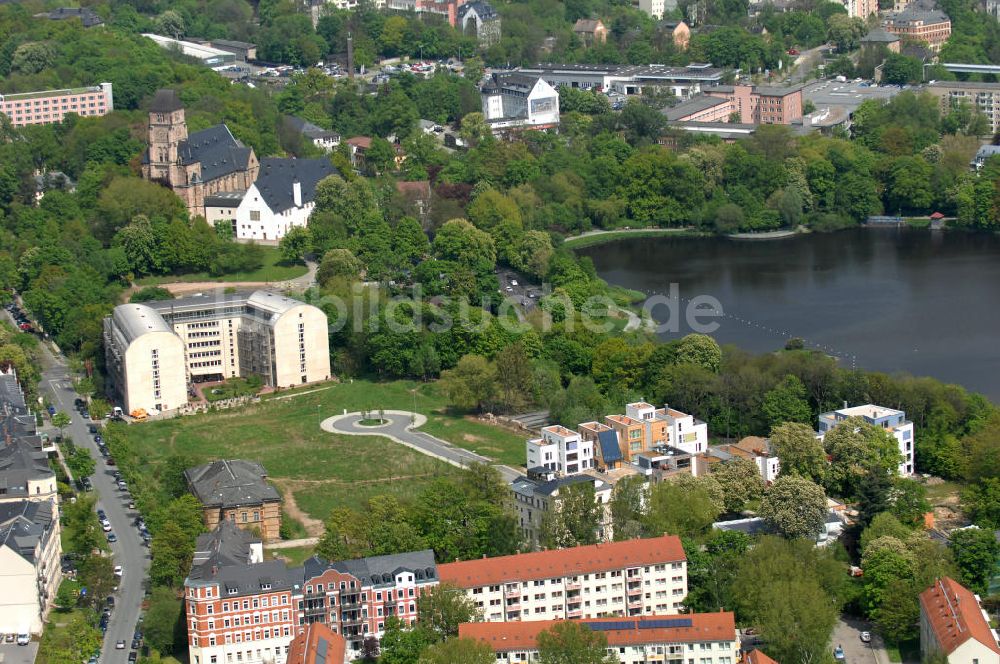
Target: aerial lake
[{"x": 917, "y": 301}]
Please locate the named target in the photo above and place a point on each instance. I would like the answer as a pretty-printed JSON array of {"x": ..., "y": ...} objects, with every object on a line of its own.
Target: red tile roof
[
  {"x": 563, "y": 562},
  {"x": 758, "y": 657},
  {"x": 954, "y": 616},
  {"x": 363, "y": 142},
  {"x": 524, "y": 635},
  {"x": 304, "y": 647}
]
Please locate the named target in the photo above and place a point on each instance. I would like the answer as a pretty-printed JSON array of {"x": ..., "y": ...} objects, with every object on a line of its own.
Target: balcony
[
  {"x": 573, "y": 585},
  {"x": 634, "y": 587},
  {"x": 513, "y": 606},
  {"x": 635, "y": 602},
  {"x": 574, "y": 613},
  {"x": 512, "y": 594}
]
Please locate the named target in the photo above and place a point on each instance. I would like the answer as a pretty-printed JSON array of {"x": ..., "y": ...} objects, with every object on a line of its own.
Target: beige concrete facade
[
  {"x": 30, "y": 581},
  {"x": 264, "y": 518},
  {"x": 155, "y": 352}
]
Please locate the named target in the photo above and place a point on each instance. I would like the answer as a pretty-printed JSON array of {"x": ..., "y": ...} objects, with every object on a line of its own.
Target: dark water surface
[{"x": 923, "y": 302}]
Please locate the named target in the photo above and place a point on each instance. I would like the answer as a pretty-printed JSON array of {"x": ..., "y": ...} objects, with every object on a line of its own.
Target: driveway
[
  {"x": 847, "y": 634},
  {"x": 15, "y": 654},
  {"x": 401, "y": 427},
  {"x": 128, "y": 551}
]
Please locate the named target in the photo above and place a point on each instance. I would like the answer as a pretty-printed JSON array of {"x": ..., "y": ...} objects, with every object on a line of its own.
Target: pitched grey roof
[
  {"x": 519, "y": 83},
  {"x": 879, "y": 36},
  {"x": 23, "y": 524},
  {"x": 216, "y": 149},
  {"x": 693, "y": 105},
  {"x": 20, "y": 462},
  {"x": 231, "y": 483},
  {"x": 483, "y": 9},
  {"x": 228, "y": 544},
  {"x": 379, "y": 571},
  {"x": 914, "y": 14},
  {"x": 277, "y": 176},
  {"x": 166, "y": 101},
  {"x": 309, "y": 130}
]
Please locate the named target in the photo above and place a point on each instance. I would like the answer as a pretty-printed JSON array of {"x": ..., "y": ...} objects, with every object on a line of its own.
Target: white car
[
  {"x": 106, "y": 526},
  {"x": 866, "y": 637},
  {"x": 119, "y": 570},
  {"x": 513, "y": 282}
]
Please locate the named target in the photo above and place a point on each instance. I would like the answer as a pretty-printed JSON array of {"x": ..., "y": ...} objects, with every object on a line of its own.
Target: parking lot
[
  {"x": 11, "y": 653},
  {"x": 514, "y": 287}
]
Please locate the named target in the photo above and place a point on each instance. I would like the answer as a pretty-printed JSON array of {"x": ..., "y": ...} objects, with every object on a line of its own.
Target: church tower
[{"x": 167, "y": 129}]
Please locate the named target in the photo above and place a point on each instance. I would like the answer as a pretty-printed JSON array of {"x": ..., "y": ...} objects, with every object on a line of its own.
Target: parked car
[
  {"x": 866, "y": 637},
  {"x": 838, "y": 654},
  {"x": 132, "y": 656},
  {"x": 10, "y": 638},
  {"x": 23, "y": 639},
  {"x": 119, "y": 570},
  {"x": 112, "y": 538},
  {"x": 52, "y": 410},
  {"x": 106, "y": 526},
  {"x": 92, "y": 428}
]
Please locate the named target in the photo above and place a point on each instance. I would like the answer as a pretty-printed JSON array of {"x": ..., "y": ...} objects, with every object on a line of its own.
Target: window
[{"x": 254, "y": 215}]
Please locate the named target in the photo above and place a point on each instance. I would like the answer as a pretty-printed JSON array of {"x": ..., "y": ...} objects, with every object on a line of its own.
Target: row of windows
[{"x": 214, "y": 363}]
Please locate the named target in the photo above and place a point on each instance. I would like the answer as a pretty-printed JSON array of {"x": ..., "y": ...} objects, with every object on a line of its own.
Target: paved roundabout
[{"x": 401, "y": 426}]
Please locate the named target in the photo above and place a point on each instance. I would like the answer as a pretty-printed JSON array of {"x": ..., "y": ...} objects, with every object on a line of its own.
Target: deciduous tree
[{"x": 794, "y": 507}]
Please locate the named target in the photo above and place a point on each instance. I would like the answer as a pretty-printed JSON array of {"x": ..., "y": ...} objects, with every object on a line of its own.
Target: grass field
[
  {"x": 273, "y": 269},
  {"x": 315, "y": 470},
  {"x": 294, "y": 555}
]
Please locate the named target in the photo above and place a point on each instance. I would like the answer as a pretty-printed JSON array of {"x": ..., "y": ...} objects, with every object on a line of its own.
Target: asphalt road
[
  {"x": 11, "y": 653},
  {"x": 399, "y": 427},
  {"x": 847, "y": 634},
  {"x": 128, "y": 551}
]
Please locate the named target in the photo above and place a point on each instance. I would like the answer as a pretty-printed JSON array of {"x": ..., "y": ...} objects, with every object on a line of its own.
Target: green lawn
[
  {"x": 938, "y": 492},
  {"x": 273, "y": 269},
  {"x": 294, "y": 555},
  {"x": 325, "y": 470}
]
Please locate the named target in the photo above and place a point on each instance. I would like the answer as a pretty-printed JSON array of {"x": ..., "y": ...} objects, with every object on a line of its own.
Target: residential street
[
  {"x": 847, "y": 634},
  {"x": 128, "y": 551}
]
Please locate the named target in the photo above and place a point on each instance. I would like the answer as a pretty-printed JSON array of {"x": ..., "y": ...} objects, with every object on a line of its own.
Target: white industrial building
[{"x": 156, "y": 350}]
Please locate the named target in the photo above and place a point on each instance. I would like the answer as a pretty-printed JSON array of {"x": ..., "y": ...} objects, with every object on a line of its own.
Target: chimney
[{"x": 297, "y": 193}]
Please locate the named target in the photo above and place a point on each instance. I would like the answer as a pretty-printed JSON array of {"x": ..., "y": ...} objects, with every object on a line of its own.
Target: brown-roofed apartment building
[
  {"x": 643, "y": 639},
  {"x": 953, "y": 624},
  {"x": 641, "y": 577}
]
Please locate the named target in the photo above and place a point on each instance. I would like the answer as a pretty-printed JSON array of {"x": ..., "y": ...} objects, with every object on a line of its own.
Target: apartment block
[
  {"x": 758, "y": 104},
  {"x": 156, "y": 350},
  {"x": 710, "y": 637},
  {"x": 983, "y": 97},
  {"x": 631, "y": 578},
  {"x": 893, "y": 421},
  {"x": 539, "y": 493},
  {"x": 560, "y": 450},
  {"x": 30, "y": 547},
  {"x": 50, "y": 106},
  {"x": 242, "y": 609}
]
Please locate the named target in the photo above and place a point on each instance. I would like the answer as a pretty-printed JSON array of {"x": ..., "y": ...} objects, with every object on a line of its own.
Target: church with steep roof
[{"x": 194, "y": 166}]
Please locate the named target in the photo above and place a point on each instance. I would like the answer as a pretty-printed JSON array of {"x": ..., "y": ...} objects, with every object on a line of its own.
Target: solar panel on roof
[
  {"x": 610, "y": 451},
  {"x": 321, "y": 651},
  {"x": 660, "y": 624},
  {"x": 611, "y": 626}
]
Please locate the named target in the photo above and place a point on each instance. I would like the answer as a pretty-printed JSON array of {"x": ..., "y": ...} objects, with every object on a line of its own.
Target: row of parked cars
[
  {"x": 21, "y": 639},
  {"x": 20, "y": 318}
]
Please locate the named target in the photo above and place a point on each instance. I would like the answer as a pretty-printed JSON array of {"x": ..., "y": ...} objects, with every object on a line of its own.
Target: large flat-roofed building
[
  {"x": 628, "y": 578},
  {"x": 892, "y": 420},
  {"x": 954, "y": 626},
  {"x": 982, "y": 97},
  {"x": 236, "y": 491},
  {"x": 629, "y": 79},
  {"x": 50, "y": 106},
  {"x": 666, "y": 639},
  {"x": 702, "y": 108},
  {"x": 155, "y": 350},
  {"x": 207, "y": 55}
]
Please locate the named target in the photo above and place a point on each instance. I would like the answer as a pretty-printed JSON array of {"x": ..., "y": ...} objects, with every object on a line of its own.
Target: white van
[{"x": 23, "y": 638}]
